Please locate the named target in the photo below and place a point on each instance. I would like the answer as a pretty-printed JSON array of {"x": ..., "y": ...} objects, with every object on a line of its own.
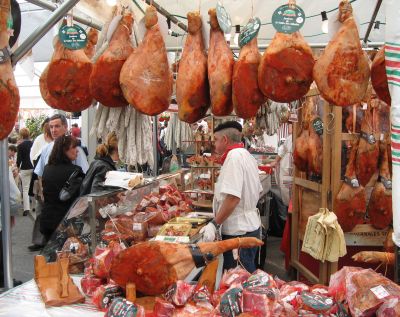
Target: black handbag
[{"x": 72, "y": 186}]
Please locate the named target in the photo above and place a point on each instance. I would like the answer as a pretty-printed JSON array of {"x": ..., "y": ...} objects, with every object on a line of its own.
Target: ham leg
[
  {"x": 9, "y": 94},
  {"x": 368, "y": 150},
  {"x": 286, "y": 69},
  {"x": 192, "y": 89},
  {"x": 350, "y": 201},
  {"x": 247, "y": 97},
  {"x": 342, "y": 71},
  {"x": 220, "y": 68},
  {"x": 380, "y": 204},
  {"x": 307, "y": 155},
  {"x": 153, "y": 266},
  {"x": 68, "y": 79},
  {"x": 90, "y": 48},
  {"x": 146, "y": 79},
  {"x": 104, "y": 81},
  {"x": 379, "y": 77}
]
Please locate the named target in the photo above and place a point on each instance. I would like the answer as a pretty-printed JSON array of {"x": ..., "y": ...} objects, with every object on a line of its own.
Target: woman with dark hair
[
  {"x": 104, "y": 161},
  {"x": 57, "y": 171}
]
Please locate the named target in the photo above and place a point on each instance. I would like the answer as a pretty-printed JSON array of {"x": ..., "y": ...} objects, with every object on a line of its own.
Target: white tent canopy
[{"x": 240, "y": 11}]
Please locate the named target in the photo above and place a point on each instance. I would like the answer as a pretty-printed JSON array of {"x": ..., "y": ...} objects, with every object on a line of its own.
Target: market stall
[{"x": 140, "y": 247}]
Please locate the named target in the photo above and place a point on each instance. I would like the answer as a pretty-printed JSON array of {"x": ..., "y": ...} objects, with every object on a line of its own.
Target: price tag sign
[
  {"x": 380, "y": 292},
  {"x": 249, "y": 32},
  {"x": 73, "y": 37},
  {"x": 288, "y": 18},
  {"x": 224, "y": 19},
  {"x": 318, "y": 126}
]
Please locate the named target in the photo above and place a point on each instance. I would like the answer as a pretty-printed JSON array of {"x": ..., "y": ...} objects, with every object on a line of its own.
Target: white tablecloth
[{"x": 25, "y": 301}]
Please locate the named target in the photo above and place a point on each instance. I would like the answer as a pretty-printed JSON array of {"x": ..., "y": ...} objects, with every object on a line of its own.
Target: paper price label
[
  {"x": 249, "y": 32},
  {"x": 137, "y": 226},
  {"x": 288, "y": 18},
  {"x": 72, "y": 37},
  {"x": 224, "y": 19},
  {"x": 380, "y": 292}
]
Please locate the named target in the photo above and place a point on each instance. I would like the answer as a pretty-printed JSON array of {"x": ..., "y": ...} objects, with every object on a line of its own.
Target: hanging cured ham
[
  {"x": 246, "y": 96},
  {"x": 307, "y": 155},
  {"x": 220, "y": 68},
  {"x": 153, "y": 266},
  {"x": 192, "y": 89},
  {"x": 9, "y": 94},
  {"x": 350, "y": 203},
  {"x": 286, "y": 69},
  {"x": 146, "y": 79},
  {"x": 368, "y": 150},
  {"x": 342, "y": 71},
  {"x": 90, "y": 48},
  {"x": 379, "y": 77},
  {"x": 68, "y": 79},
  {"x": 380, "y": 204},
  {"x": 104, "y": 81},
  {"x": 44, "y": 89}
]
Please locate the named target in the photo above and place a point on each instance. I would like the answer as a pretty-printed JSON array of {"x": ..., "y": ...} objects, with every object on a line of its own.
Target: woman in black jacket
[
  {"x": 106, "y": 155},
  {"x": 56, "y": 173}
]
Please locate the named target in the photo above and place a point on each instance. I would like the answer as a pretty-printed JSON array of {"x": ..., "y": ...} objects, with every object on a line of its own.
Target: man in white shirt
[
  {"x": 284, "y": 175},
  {"x": 236, "y": 194}
]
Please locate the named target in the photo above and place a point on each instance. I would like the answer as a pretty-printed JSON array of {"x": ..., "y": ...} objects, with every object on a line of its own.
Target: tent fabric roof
[{"x": 240, "y": 11}]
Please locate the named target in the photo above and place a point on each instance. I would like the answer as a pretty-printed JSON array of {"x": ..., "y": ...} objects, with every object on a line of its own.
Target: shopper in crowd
[
  {"x": 55, "y": 174},
  {"x": 75, "y": 130},
  {"x": 25, "y": 166},
  {"x": 15, "y": 206},
  {"x": 236, "y": 194},
  {"x": 39, "y": 144},
  {"x": 41, "y": 141},
  {"x": 284, "y": 171},
  {"x": 105, "y": 159},
  {"x": 58, "y": 127},
  {"x": 12, "y": 154}
]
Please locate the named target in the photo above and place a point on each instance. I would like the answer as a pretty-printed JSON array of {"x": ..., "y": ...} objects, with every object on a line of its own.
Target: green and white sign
[
  {"x": 318, "y": 126},
  {"x": 224, "y": 19},
  {"x": 288, "y": 18},
  {"x": 249, "y": 32},
  {"x": 73, "y": 37}
]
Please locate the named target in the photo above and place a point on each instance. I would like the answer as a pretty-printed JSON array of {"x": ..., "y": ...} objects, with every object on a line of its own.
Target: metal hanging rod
[
  {"x": 168, "y": 15},
  {"x": 52, "y": 7},
  {"x": 371, "y": 45},
  {"x": 371, "y": 23},
  {"x": 32, "y": 39}
]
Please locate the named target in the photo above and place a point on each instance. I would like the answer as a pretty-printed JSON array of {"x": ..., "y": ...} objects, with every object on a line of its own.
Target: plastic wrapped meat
[
  {"x": 260, "y": 279},
  {"x": 179, "y": 293},
  {"x": 163, "y": 308},
  {"x": 103, "y": 258},
  {"x": 337, "y": 282},
  {"x": 390, "y": 308},
  {"x": 121, "y": 307},
  {"x": 367, "y": 291},
  {"x": 191, "y": 310},
  {"x": 104, "y": 295},
  {"x": 90, "y": 283},
  {"x": 315, "y": 303},
  {"x": 77, "y": 252},
  {"x": 231, "y": 302},
  {"x": 259, "y": 301},
  {"x": 236, "y": 275},
  {"x": 289, "y": 291}
]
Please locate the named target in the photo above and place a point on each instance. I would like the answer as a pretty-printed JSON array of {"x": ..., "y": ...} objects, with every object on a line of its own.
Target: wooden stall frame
[{"x": 324, "y": 188}]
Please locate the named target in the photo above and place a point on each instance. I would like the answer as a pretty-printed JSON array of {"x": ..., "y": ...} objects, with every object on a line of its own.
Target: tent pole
[
  {"x": 168, "y": 15},
  {"x": 155, "y": 142},
  {"x": 5, "y": 214},
  {"x": 42, "y": 30},
  {"x": 52, "y": 7},
  {"x": 372, "y": 21}
]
